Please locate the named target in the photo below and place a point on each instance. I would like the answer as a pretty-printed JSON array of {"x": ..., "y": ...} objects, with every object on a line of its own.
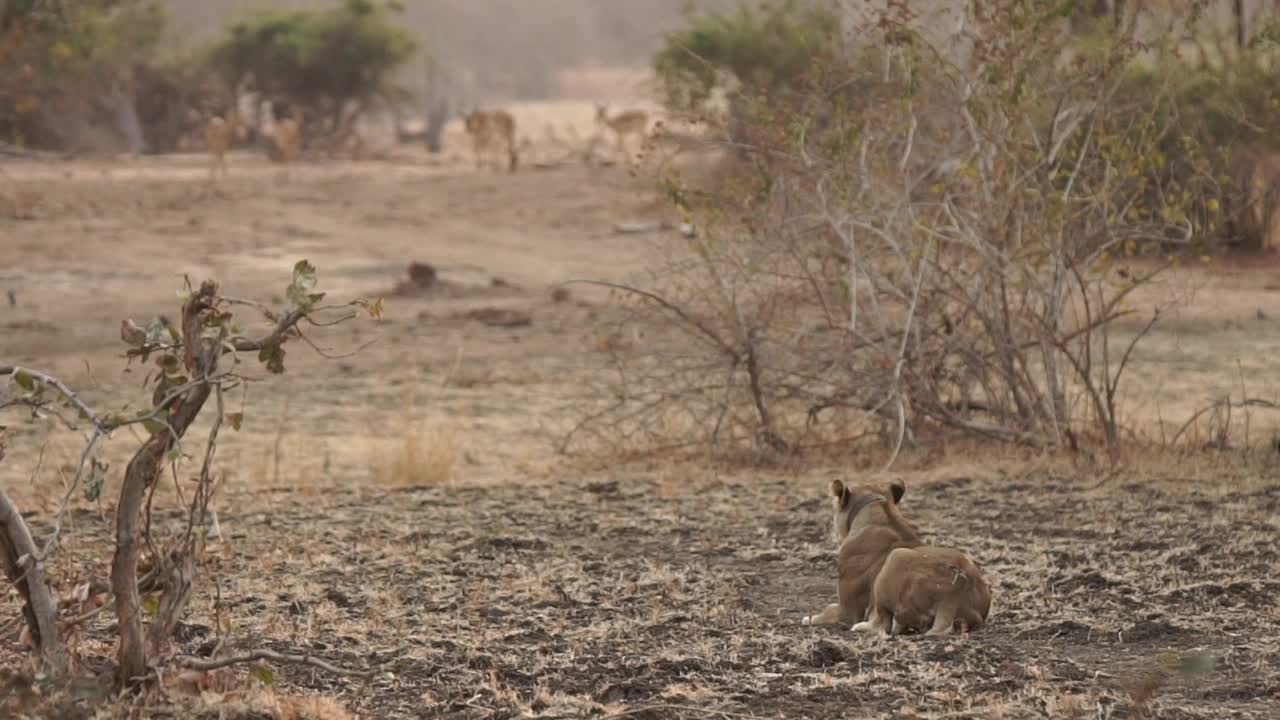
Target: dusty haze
[{"x": 502, "y": 50}]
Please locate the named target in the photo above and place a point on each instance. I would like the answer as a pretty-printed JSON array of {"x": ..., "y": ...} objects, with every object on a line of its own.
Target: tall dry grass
[{"x": 419, "y": 452}]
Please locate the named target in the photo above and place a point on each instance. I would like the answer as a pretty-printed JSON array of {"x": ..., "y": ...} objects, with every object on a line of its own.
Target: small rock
[
  {"x": 422, "y": 275},
  {"x": 500, "y": 317}
]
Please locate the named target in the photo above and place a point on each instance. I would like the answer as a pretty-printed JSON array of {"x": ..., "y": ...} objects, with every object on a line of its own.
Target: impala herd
[{"x": 491, "y": 131}]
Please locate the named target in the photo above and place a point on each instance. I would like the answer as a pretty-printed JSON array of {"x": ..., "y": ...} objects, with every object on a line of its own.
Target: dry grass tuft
[
  {"x": 264, "y": 704},
  {"x": 424, "y": 454}
]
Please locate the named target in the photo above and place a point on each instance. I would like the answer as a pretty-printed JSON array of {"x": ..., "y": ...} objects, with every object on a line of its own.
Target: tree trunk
[
  {"x": 18, "y": 557},
  {"x": 127, "y": 122},
  {"x": 201, "y": 359},
  {"x": 143, "y": 470},
  {"x": 1237, "y": 12},
  {"x": 437, "y": 118}
]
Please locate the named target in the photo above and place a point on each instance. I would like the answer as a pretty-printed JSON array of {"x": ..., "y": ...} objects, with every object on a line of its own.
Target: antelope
[
  {"x": 286, "y": 140},
  {"x": 484, "y": 126},
  {"x": 218, "y": 134},
  {"x": 628, "y": 122}
]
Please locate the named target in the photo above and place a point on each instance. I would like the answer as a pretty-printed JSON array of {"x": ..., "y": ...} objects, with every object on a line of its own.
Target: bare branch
[
  {"x": 62, "y": 389},
  {"x": 328, "y": 355},
  {"x": 276, "y": 337}
]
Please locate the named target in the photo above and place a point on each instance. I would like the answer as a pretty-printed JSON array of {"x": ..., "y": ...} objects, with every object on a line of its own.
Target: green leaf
[
  {"x": 168, "y": 363},
  {"x": 24, "y": 380},
  {"x": 157, "y": 424},
  {"x": 157, "y": 331},
  {"x": 263, "y": 675},
  {"x": 299, "y": 291},
  {"x": 167, "y": 385},
  {"x": 172, "y": 456},
  {"x": 234, "y": 420},
  {"x": 151, "y": 604},
  {"x": 273, "y": 357},
  {"x": 304, "y": 275},
  {"x": 297, "y": 297}
]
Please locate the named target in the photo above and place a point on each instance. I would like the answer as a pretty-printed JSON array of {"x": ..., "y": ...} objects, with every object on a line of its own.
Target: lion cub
[{"x": 888, "y": 580}]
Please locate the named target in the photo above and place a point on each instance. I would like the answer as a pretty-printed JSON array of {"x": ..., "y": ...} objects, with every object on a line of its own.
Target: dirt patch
[{"x": 610, "y": 592}]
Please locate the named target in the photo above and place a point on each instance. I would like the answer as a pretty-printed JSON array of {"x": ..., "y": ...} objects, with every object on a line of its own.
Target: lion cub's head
[{"x": 856, "y": 506}]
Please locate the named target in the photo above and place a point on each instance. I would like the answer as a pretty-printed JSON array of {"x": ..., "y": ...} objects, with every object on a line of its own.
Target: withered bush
[{"x": 928, "y": 234}]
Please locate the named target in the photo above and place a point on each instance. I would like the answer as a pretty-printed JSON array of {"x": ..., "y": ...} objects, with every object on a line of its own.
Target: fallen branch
[
  {"x": 668, "y": 707},
  {"x": 652, "y": 226},
  {"x": 256, "y": 654}
]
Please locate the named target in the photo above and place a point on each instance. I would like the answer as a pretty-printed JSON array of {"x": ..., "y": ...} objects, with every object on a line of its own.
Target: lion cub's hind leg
[{"x": 944, "y": 618}]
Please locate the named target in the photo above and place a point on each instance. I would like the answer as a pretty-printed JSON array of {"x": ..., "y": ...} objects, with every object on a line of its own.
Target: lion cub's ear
[
  {"x": 897, "y": 489},
  {"x": 840, "y": 493}
]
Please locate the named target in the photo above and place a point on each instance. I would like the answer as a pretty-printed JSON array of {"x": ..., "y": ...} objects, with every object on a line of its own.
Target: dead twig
[
  {"x": 264, "y": 654},
  {"x": 1224, "y": 403}
]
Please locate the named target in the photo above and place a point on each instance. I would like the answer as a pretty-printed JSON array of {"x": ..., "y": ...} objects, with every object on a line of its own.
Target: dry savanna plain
[{"x": 404, "y": 509}]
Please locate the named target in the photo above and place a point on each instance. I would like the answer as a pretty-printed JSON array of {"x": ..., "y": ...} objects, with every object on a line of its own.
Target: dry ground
[{"x": 404, "y": 509}]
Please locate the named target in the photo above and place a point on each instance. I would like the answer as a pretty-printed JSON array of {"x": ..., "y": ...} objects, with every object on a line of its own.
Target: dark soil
[{"x": 628, "y": 594}]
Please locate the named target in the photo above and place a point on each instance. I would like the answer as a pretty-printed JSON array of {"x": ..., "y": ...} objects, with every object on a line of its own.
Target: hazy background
[{"x": 501, "y": 50}]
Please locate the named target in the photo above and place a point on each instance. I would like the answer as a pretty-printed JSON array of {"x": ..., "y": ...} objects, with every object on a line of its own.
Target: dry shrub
[
  {"x": 926, "y": 236},
  {"x": 266, "y": 704}
]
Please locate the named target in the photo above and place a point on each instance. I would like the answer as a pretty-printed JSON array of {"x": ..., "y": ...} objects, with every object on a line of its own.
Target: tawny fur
[
  {"x": 287, "y": 138},
  {"x": 487, "y": 127},
  {"x": 930, "y": 589},
  {"x": 624, "y": 124},
  {"x": 867, "y": 526},
  {"x": 887, "y": 579},
  {"x": 217, "y": 135},
  {"x": 1254, "y": 211}
]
